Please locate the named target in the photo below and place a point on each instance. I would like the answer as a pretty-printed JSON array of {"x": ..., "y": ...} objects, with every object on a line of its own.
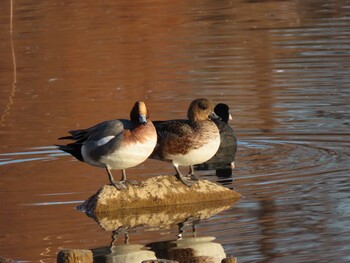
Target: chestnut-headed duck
[
  {"x": 223, "y": 160},
  {"x": 115, "y": 144},
  {"x": 188, "y": 142}
]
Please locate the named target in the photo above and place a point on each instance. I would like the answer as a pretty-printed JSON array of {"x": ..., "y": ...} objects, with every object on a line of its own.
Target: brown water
[{"x": 282, "y": 66}]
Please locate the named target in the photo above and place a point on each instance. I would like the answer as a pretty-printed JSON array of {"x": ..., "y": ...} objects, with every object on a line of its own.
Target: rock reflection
[
  {"x": 159, "y": 217},
  {"x": 125, "y": 222}
]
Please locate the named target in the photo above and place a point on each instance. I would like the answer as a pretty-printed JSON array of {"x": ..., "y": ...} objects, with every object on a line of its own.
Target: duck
[
  {"x": 188, "y": 142},
  {"x": 223, "y": 160},
  {"x": 115, "y": 144}
]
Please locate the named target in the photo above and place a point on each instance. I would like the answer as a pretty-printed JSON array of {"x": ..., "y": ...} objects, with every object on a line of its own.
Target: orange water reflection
[{"x": 282, "y": 66}]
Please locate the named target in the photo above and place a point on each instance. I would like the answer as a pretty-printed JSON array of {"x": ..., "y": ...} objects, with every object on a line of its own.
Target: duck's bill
[
  {"x": 214, "y": 116},
  {"x": 143, "y": 119}
]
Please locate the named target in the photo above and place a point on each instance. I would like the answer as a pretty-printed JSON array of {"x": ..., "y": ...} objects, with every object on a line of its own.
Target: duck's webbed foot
[
  {"x": 131, "y": 182},
  {"x": 121, "y": 185},
  {"x": 185, "y": 179},
  {"x": 191, "y": 175},
  {"x": 127, "y": 182}
]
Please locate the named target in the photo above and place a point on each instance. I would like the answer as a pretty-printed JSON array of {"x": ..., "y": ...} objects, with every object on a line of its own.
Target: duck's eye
[{"x": 202, "y": 105}]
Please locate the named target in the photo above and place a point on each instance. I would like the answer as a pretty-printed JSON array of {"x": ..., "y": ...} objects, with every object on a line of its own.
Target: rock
[
  {"x": 229, "y": 260},
  {"x": 156, "y": 191},
  {"x": 75, "y": 256}
]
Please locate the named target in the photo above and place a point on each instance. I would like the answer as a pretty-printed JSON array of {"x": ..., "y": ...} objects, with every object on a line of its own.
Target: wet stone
[
  {"x": 229, "y": 260},
  {"x": 156, "y": 191},
  {"x": 75, "y": 256}
]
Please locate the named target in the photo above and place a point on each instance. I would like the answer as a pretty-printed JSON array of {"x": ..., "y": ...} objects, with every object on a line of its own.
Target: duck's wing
[
  {"x": 96, "y": 135},
  {"x": 168, "y": 130},
  {"x": 106, "y": 130},
  {"x": 177, "y": 128},
  {"x": 96, "y": 132},
  {"x": 106, "y": 139}
]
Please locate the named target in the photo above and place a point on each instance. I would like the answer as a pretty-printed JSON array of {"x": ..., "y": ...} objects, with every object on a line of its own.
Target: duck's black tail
[{"x": 73, "y": 149}]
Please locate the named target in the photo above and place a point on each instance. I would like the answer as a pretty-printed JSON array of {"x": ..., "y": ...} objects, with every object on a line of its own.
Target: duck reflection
[
  {"x": 122, "y": 252},
  {"x": 190, "y": 249},
  {"x": 183, "y": 248}
]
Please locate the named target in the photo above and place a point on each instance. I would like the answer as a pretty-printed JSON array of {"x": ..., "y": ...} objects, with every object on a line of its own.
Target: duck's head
[
  {"x": 139, "y": 112},
  {"x": 223, "y": 111},
  {"x": 201, "y": 110}
]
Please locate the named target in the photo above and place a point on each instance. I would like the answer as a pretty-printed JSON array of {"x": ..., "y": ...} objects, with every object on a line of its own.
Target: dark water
[{"x": 282, "y": 66}]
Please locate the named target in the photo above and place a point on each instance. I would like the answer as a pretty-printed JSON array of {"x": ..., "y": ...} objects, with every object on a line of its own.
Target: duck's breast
[
  {"x": 197, "y": 155},
  {"x": 195, "y": 147},
  {"x": 135, "y": 147}
]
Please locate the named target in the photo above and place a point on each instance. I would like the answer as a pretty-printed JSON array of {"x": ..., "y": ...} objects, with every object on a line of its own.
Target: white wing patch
[{"x": 104, "y": 140}]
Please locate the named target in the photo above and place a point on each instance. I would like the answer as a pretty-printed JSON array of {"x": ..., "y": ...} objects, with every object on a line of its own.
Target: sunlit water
[{"x": 282, "y": 66}]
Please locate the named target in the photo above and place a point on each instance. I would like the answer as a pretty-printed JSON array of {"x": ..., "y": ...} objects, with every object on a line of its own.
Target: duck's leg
[
  {"x": 119, "y": 185},
  {"x": 116, "y": 233},
  {"x": 123, "y": 176},
  {"x": 191, "y": 175},
  {"x": 184, "y": 179},
  {"x": 125, "y": 182}
]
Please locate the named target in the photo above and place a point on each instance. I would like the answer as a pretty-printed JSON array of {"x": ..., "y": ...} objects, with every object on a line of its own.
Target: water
[{"x": 282, "y": 66}]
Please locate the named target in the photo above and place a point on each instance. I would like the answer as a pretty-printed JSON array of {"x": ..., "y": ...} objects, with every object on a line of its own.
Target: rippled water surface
[{"x": 283, "y": 67}]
